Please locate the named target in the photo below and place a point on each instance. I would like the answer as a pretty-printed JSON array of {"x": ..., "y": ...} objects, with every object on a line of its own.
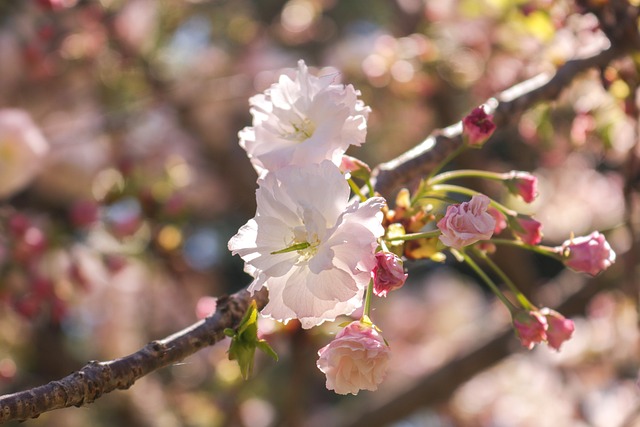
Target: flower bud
[
  {"x": 477, "y": 127},
  {"x": 522, "y": 184},
  {"x": 559, "y": 329},
  {"x": 528, "y": 230},
  {"x": 388, "y": 274},
  {"x": 531, "y": 327},
  {"x": 588, "y": 254},
  {"x": 355, "y": 360}
]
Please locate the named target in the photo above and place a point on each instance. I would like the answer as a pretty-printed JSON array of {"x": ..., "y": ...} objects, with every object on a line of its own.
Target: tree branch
[
  {"x": 97, "y": 378},
  {"x": 506, "y": 107}
]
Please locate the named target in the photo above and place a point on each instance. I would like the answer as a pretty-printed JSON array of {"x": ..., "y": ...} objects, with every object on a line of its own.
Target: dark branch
[
  {"x": 507, "y": 107},
  {"x": 97, "y": 378}
]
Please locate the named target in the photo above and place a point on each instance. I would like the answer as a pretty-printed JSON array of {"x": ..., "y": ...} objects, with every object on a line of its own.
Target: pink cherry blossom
[
  {"x": 355, "y": 360},
  {"x": 522, "y": 184},
  {"x": 303, "y": 120},
  {"x": 559, "y": 329},
  {"x": 388, "y": 274},
  {"x": 22, "y": 151},
  {"x": 531, "y": 230},
  {"x": 312, "y": 248},
  {"x": 588, "y": 254},
  {"x": 467, "y": 223},
  {"x": 477, "y": 127},
  {"x": 531, "y": 327}
]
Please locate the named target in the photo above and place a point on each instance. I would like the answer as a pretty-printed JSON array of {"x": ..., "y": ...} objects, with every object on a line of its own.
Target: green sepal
[{"x": 244, "y": 341}]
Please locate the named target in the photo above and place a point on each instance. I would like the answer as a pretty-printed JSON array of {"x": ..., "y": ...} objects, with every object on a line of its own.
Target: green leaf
[{"x": 244, "y": 341}]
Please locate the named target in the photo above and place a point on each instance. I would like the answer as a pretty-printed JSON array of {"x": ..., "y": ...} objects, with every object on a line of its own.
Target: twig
[{"x": 97, "y": 378}]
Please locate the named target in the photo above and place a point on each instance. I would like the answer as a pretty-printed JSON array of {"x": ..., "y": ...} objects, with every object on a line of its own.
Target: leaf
[{"x": 244, "y": 341}]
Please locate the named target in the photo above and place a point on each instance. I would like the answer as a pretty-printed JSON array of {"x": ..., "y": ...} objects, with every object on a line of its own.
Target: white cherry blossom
[
  {"x": 303, "y": 120},
  {"x": 308, "y": 245}
]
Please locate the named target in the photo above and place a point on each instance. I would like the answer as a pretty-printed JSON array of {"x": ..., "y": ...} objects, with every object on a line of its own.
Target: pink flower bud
[
  {"x": 501, "y": 221},
  {"x": 477, "y": 127},
  {"x": 530, "y": 232},
  {"x": 388, "y": 274},
  {"x": 355, "y": 360},
  {"x": 531, "y": 327},
  {"x": 352, "y": 165},
  {"x": 467, "y": 223},
  {"x": 559, "y": 329},
  {"x": 588, "y": 254},
  {"x": 522, "y": 184}
]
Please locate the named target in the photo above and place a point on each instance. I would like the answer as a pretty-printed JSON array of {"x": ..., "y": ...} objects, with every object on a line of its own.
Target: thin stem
[
  {"x": 356, "y": 190},
  {"x": 541, "y": 249},
  {"x": 415, "y": 236},
  {"x": 488, "y": 281},
  {"x": 466, "y": 173},
  {"x": 469, "y": 192},
  {"x": 367, "y": 299},
  {"x": 526, "y": 304},
  {"x": 446, "y": 160}
]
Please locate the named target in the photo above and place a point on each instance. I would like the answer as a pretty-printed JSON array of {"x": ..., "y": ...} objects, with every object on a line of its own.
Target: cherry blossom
[
  {"x": 388, "y": 273},
  {"x": 303, "y": 120},
  {"x": 308, "y": 245},
  {"x": 467, "y": 223},
  {"x": 588, "y": 254}
]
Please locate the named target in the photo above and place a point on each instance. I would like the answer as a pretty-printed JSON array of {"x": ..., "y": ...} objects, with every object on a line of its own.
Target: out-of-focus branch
[
  {"x": 506, "y": 107},
  {"x": 97, "y": 378},
  {"x": 439, "y": 385}
]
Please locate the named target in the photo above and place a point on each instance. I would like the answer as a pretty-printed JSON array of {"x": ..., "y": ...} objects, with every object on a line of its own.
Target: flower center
[
  {"x": 305, "y": 245},
  {"x": 301, "y": 130}
]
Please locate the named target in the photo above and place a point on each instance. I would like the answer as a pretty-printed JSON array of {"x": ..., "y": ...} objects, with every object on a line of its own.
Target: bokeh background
[{"x": 121, "y": 239}]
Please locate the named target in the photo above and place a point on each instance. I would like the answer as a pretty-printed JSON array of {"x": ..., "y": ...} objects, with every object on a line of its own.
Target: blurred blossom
[
  {"x": 530, "y": 232},
  {"x": 522, "y": 184},
  {"x": 531, "y": 327},
  {"x": 136, "y": 24},
  {"x": 560, "y": 328},
  {"x": 588, "y": 254},
  {"x": 201, "y": 249},
  {"x": 477, "y": 127},
  {"x": 124, "y": 217},
  {"x": 501, "y": 220},
  {"x": 206, "y": 306},
  {"x": 22, "y": 151}
]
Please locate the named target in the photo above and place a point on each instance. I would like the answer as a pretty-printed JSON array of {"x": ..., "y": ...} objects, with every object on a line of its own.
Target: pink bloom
[
  {"x": 531, "y": 327},
  {"x": 560, "y": 328},
  {"x": 355, "y": 360},
  {"x": 477, "y": 127},
  {"x": 388, "y": 274},
  {"x": 355, "y": 167},
  {"x": 530, "y": 232},
  {"x": 522, "y": 184},
  {"x": 588, "y": 254},
  {"x": 22, "y": 151},
  {"x": 467, "y": 223}
]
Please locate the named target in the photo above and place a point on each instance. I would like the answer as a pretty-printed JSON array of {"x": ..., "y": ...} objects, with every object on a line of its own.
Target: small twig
[{"x": 97, "y": 378}]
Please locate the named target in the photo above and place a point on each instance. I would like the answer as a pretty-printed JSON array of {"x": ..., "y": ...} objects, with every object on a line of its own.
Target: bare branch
[
  {"x": 507, "y": 107},
  {"x": 97, "y": 378}
]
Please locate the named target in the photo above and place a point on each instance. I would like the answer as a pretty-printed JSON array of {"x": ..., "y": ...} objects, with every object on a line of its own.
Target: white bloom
[
  {"x": 303, "y": 121},
  {"x": 22, "y": 150},
  {"x": 325, "y": 275}
]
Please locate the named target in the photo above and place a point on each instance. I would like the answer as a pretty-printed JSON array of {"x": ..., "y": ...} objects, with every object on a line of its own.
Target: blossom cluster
[{"x": 322, "y": 253}]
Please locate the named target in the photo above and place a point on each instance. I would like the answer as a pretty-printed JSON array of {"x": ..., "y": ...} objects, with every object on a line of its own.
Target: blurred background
[{"x": 119, "y": 234}]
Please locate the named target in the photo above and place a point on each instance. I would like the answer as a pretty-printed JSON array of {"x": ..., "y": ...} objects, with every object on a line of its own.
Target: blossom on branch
[
  {"x": 477, "y": 127},
  {"x": 355, "y": 360},
  {"x": 588, "y": 254},
  {"x": 302, "y": 121},
  {"x": 308, "y": 245},
  {"x": 522, "y": 184},
  {"x": 559, "y": 329},
  {"x": 531, "y": 327},
  {"x": 528, "y": 230},
  {"x": 467, "y": 223}
]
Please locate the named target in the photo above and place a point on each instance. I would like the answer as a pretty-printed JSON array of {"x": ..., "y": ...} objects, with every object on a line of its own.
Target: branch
[
  {"x": 507, "y": 107},
  {"x": 97, "y": 378}
]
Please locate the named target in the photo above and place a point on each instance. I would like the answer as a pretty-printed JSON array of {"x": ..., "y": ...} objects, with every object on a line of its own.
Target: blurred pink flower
[
  {"x": 522, "y": 184},
  {"x": 588, "y": 254},
  {"x": 531, "y": 232},
  {"x": 22, "y": 151},
  {"x": 388, "y": 274},
  {"x": 467, "y": 223},
  {"x": 308, "y": 245},
  {"x": 559, "y": 329},
  {"x": 477, "y": 127},
  {"x": 355, "y": 360},
  {"x": 531, "y": 327},
  {"x": 501, "y": 221},
  {"x": 303, "y": 121}
]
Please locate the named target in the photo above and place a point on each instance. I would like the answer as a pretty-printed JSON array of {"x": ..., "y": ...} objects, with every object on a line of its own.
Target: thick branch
[
  {"x": 507, "y": 107},
  {"x": 97, "y": 378}
]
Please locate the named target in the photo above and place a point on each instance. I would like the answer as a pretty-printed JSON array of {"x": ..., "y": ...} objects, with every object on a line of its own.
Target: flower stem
[
  {"x": 466, "y": 173},
  {"x": 522, "y": 299},
  {"x": 488, "y": 281},
  {"x": 415, "y": 236},
  {"x": 367, "y": 299},
  {"x": 446, "y": 160},
  {"x": 356, "y": 190},
  {"x": 440, "y": 188},
  {"x": 541, "y": 249}
]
